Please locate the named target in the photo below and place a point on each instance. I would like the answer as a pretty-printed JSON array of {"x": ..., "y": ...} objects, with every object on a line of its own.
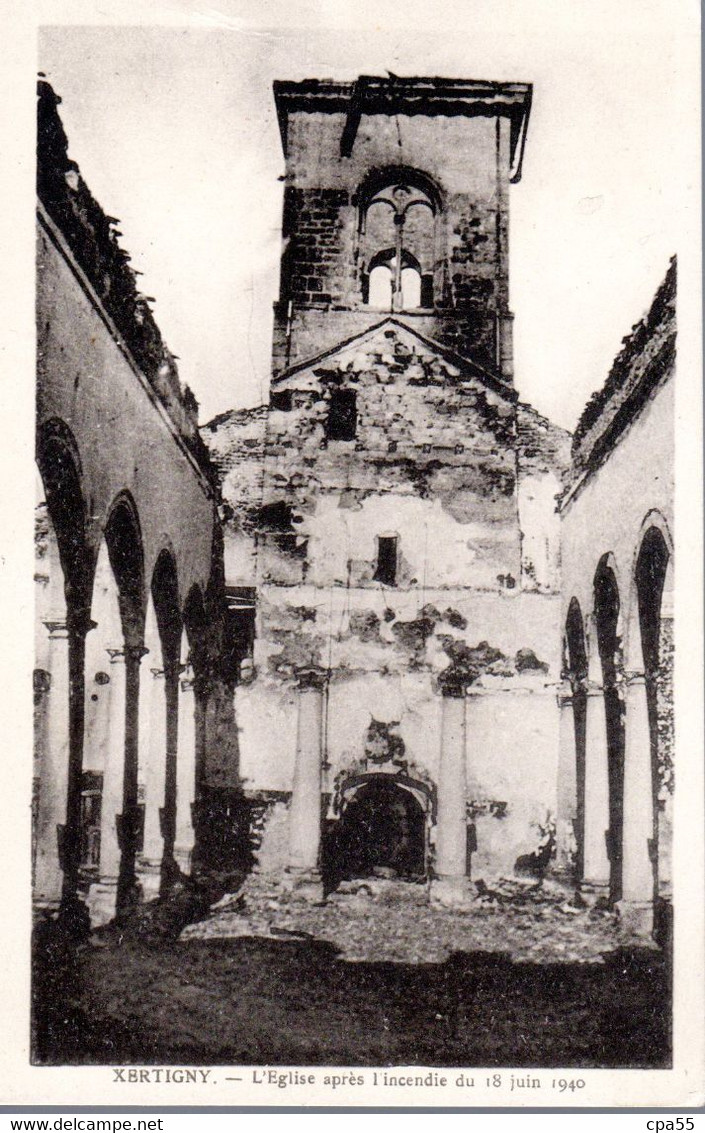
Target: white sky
[{"x": 175, "y": 133}]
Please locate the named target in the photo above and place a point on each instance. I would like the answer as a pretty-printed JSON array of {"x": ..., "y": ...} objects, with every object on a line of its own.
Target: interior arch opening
[{"x": 380, "y": 834}]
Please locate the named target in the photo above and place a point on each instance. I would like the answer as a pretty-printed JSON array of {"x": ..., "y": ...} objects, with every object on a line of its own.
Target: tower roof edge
[{"x": 391, "y": 94}]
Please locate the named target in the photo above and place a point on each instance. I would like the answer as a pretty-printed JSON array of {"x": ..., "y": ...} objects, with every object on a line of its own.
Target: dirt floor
[{"x": 373, "y": 977}]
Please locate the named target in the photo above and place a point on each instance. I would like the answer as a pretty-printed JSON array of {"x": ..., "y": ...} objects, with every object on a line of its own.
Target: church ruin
[
  {"x": 393, "y": 625},
  {"x": 397, "y": 545}
]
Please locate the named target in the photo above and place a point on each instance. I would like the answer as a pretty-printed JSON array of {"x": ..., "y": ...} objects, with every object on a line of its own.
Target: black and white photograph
[{"x": 354, "y": 755}]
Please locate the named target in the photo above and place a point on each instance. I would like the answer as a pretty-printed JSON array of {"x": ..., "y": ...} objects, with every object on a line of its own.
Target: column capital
[
  {"x": 564, "y": 694},
  {"x": 58, "y": 629},
  {"x": 311, "y": 679},
  {"x": 453, "y": 685},
  {"x": 81, "y": 623},
  {"x": 136, "y": 652},
  {"x": 157, "y": 673},
  {"x": 188, "y": 680},
  {"x": 116, "y": 654},
  {"x": 594, "y": 688},
  {"x": 634, "y": 677}
]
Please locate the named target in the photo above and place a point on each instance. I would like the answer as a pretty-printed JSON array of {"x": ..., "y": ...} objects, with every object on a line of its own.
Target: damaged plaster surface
[{"x": 464, "y": 480}]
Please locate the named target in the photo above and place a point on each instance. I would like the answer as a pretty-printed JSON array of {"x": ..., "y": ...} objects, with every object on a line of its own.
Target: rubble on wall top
[
  {"x": 92, "y": 236},
  {"x": 645, "y": 358},
  {"x": 251, "y": 414}
]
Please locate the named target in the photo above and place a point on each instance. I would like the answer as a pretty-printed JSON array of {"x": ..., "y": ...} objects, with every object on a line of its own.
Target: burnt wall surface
[
  {"x": 433, "y": 450},
  {"x": 442, "y": 459},
  {"x": 328, "y": 245}
]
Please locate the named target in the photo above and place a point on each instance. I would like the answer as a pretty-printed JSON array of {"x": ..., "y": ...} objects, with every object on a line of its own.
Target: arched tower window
[
  {"x": 379, "y": 287},
  {"x": 394, "y": 282},
  {"x": 396, "y": 240}
]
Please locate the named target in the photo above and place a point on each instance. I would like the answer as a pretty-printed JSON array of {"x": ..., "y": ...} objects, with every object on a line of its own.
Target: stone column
[
  {"x": 596, "y": 866},
  {"x": 102, "y": 896},
  {"x": 53, "y": 772},
  {"x": 305, "y": 809},
  {"x": 128, "y": 820},
  {"x": 636, "y": 904},
  {"x": 185, "y": 772},
  {"x": 567, "y": 779},
  {"x": 154, "y": 735},
  {"x": 450, "y": 884}
]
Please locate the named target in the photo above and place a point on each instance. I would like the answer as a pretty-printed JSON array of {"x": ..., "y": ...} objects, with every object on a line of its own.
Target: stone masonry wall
[
  {"x": 441, "y": 458},
  {"x": 324, "y": 259}
]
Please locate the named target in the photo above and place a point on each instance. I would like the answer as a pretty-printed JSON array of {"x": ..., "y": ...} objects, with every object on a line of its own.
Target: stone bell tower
[{"x": 397, "y": 200}]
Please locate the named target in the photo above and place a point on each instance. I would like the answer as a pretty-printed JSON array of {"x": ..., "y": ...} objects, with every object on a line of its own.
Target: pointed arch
[
  {"x": 576, "y": 650},
  {"x": 397, "y": 238},
  {"x": 577, "y": 670},
  {"x": 608, "y": 627},
  {"x": 60, "y": 469},
  {"x": 195, "y": 624},
  {"x": 123, "y": 538},
  {"x": 164, "y": 591},
  {"x": 652, "y": 624}
]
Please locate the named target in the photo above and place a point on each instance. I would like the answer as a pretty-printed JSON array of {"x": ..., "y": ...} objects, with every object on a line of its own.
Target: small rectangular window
[
  {"x": 386, "y": 572},
  {"x": 281, "y": 400},
  {"x": 342, "y": 415},
  {"x": 239, "y": 637}
]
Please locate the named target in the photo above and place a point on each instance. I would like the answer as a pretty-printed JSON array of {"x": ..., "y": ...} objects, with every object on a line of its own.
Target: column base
[
  {"x": 183, "y": 856},
  {"x": 304, "y": 883},
  {"x": 48, "y": 892},
  {"x": 149, "y": 876},
  {"x": 68, "y": 917},
  {"x": 593, "y": 892},
  {"x": 450, "y": 892},
  {"x": 101, "y": 901},
  {"x": 565, "y": 845},
  {"x": 636, "y": 919},
  {"x": 43, "y": 907}
]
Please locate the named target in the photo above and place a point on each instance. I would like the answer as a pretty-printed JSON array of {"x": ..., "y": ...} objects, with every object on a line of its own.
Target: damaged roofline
[
  {"x": 229, "y": 414},
  {"x": 373, "y": 94}
]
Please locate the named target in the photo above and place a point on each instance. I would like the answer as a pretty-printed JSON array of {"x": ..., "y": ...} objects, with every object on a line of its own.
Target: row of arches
[
  {"x": 617, "y": 658},
  {"x": 120, "y": 696}
]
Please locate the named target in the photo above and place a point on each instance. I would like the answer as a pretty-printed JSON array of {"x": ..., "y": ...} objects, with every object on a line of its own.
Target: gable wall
[{"x": 433, "y": 461}]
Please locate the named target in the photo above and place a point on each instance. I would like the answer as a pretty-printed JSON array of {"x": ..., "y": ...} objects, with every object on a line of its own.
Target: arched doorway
[{"x": 381, "y": 833}]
